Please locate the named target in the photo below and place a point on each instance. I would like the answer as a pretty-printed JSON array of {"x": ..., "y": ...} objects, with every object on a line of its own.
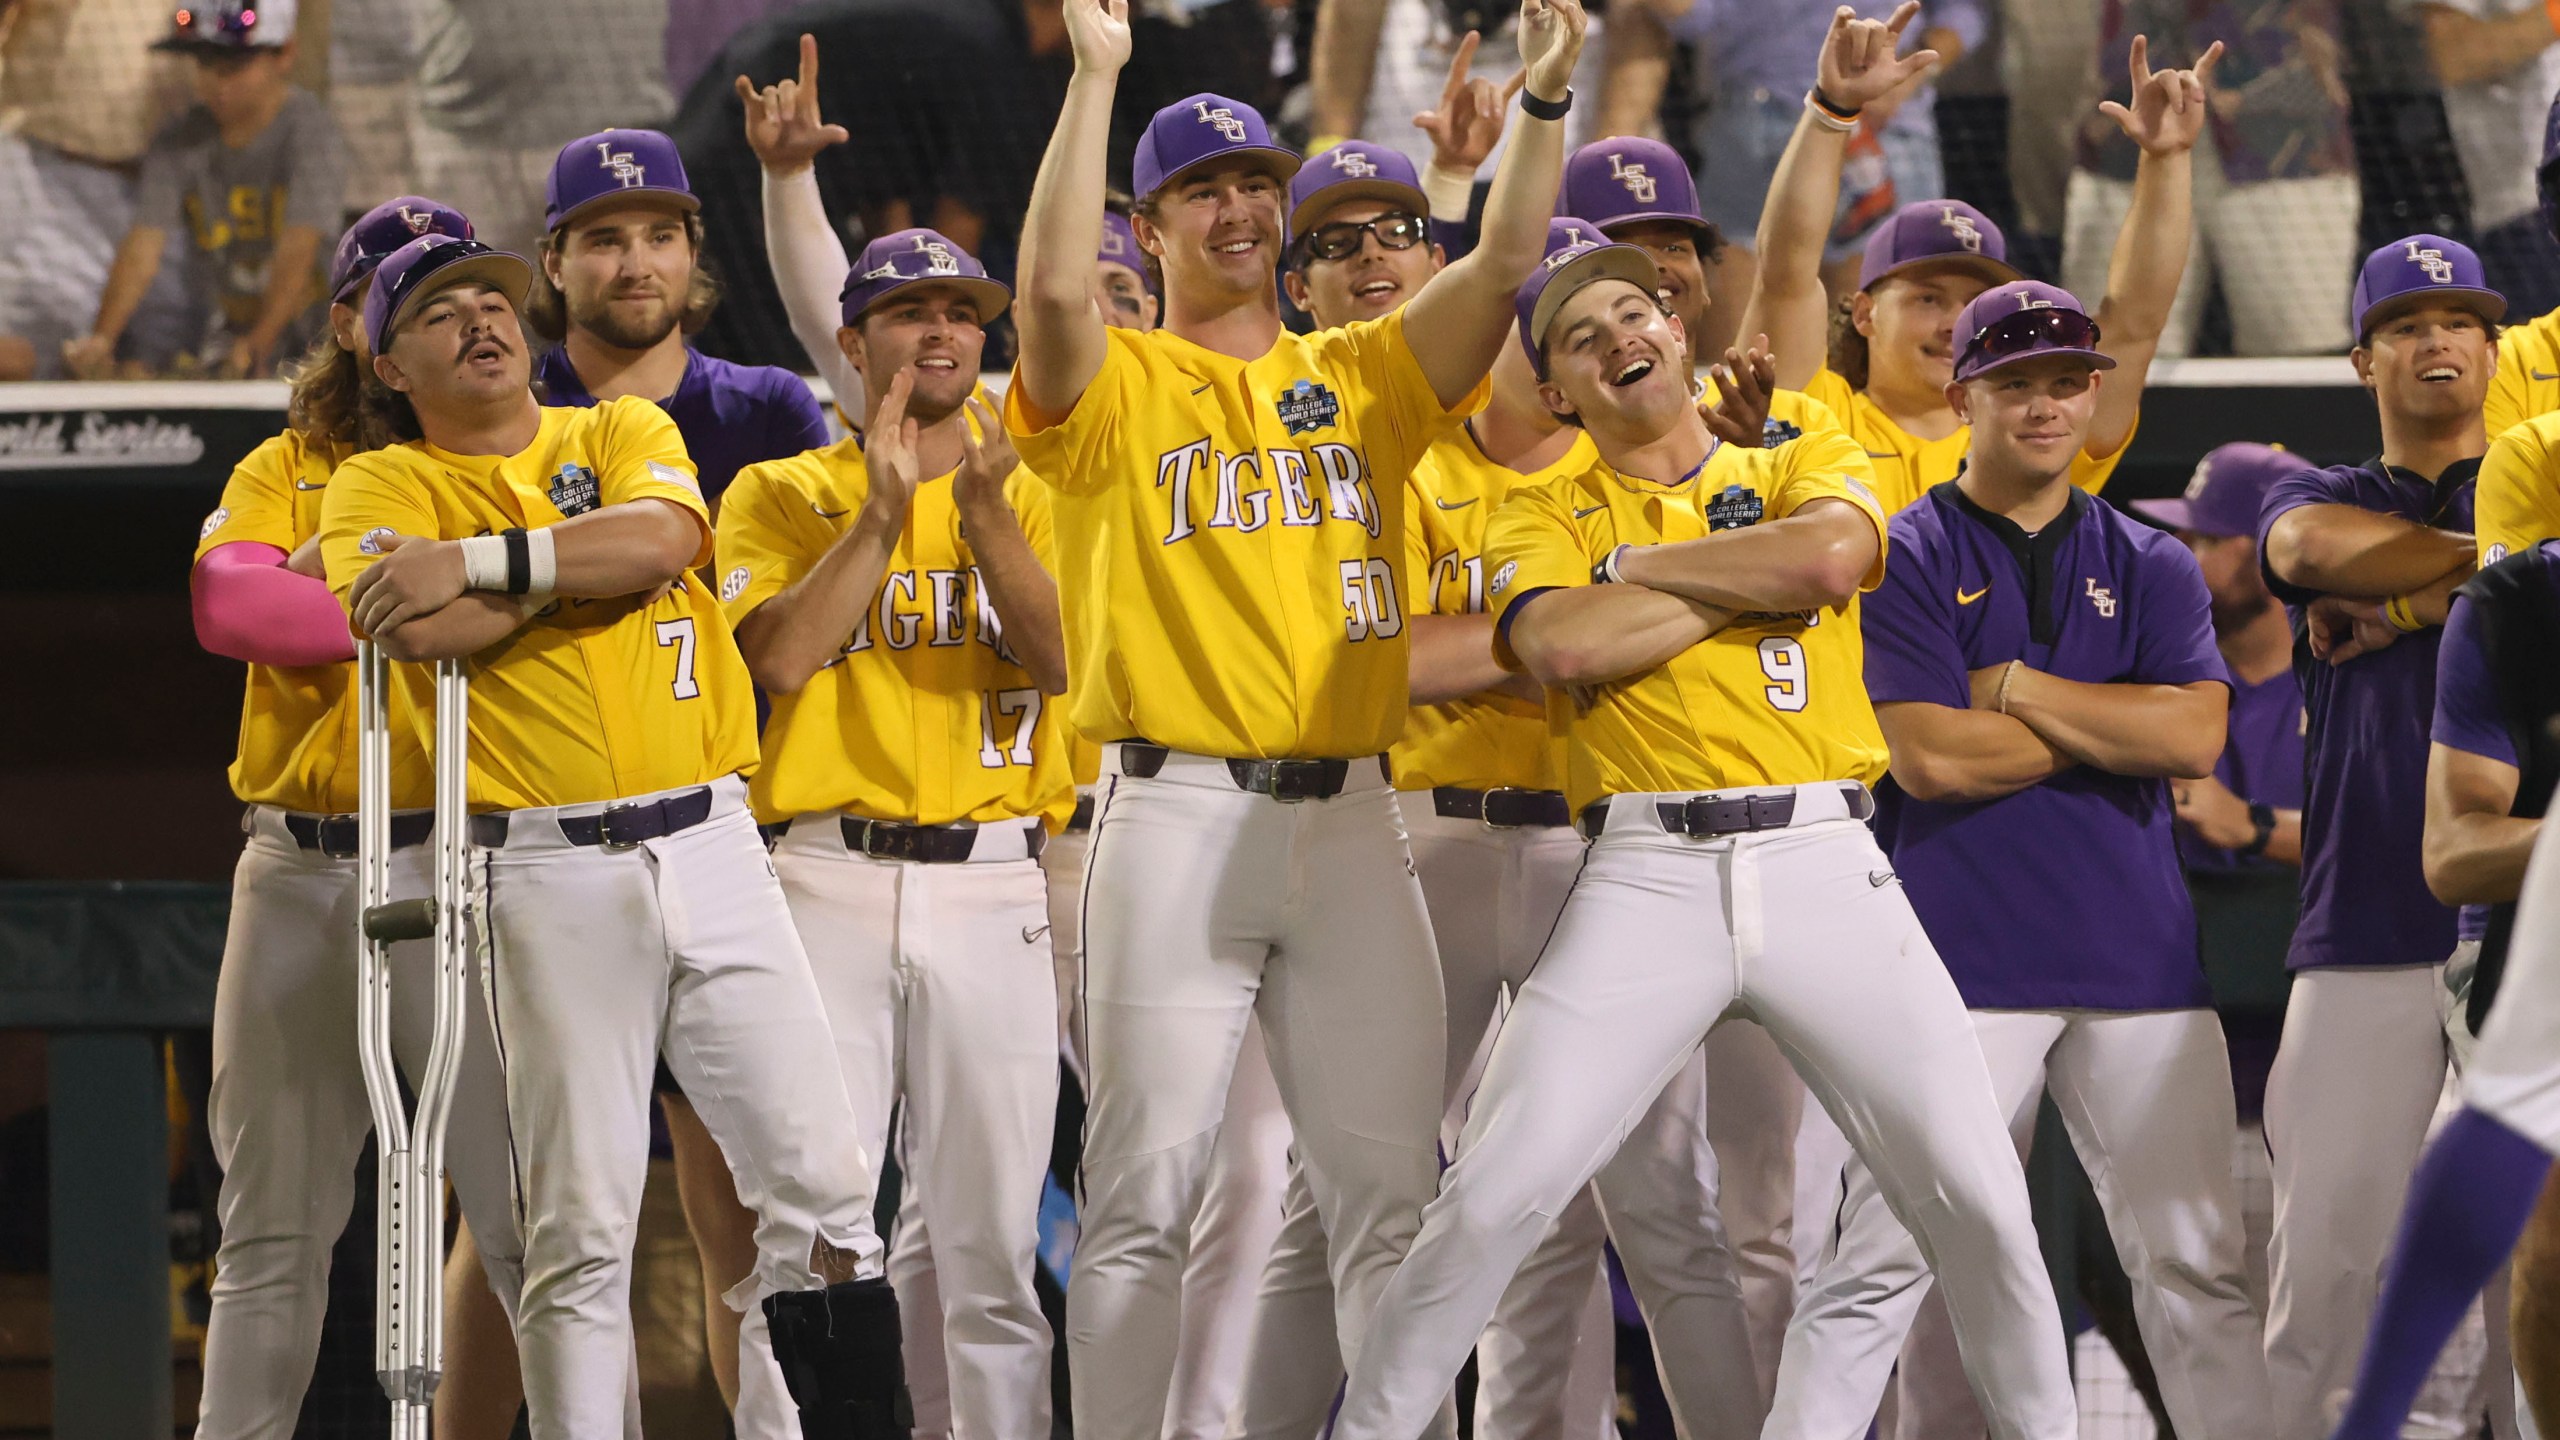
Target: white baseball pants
[
  {"x": 290, "y": 1117},
  {"x": 2513, "y": 1073},
  {"x": 1806, "y": 930},
  {"x": 1207, "y": 906},
  {"x": 2354, "y": 1086},
  {"x": 941, "y": 993},
  {"x": 1759, "y": 1105},
  {"x": 2146, "y": 1097},
  {"x": 1062, "y": 869},
  {"x": 597, "y": 960}
]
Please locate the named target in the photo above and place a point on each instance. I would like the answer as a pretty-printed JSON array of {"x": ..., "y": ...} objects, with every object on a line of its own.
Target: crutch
[{"x": 408, "y": 1344}]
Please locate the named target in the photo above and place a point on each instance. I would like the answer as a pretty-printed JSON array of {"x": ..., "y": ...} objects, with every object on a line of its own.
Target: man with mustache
[
  {"x": 1232, "y": 494},
  {"x": 624, "y": 896}
]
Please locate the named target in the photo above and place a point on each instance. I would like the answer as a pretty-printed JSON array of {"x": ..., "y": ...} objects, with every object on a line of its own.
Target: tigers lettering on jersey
[
  {"x": 1231, "y": 533},
  {"x": 590, "y": 699},
  {"x": 1782, "y": 696},
  {"x": 924, "y": 715}
]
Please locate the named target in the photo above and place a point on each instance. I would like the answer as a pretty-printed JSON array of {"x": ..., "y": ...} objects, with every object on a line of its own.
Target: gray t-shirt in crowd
[
  {"x": 2497, "y": 123},
  {"x": 224, "y": 208},
  {"x": 507, "y": 74}
]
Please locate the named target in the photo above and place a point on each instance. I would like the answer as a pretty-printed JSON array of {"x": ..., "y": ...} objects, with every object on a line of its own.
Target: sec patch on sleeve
[
  {"x": 734, "y": 584},
  {"x": 221, "y": 516}
]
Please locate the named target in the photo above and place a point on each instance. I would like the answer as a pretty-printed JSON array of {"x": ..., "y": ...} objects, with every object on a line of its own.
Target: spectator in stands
[
  {"x": 373, "y": 90},
  {"x": 2276, "y": 195},
  {"x": 503, "y": 84},
  {"x": 252, "y": 179},
  {"x": 79, "y": 99},
  {"x": 1752, "y": 60},
  {"x": 2248, "y": 813},
  {"x": 1379, "y": 64},
  {"x": 2499, "y": 63}
]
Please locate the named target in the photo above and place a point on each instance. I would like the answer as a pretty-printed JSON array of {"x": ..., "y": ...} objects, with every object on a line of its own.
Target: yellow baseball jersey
[
  {"x": 1476, "y": 741},
  {"x": 592, "y": 699},
  {"x": 2516, "y": 500},
  {"x": 1906, "y": 465},
  {"x": 1232, "y": 532},
  {"x": 926, "y": 717},
  {"x": 2527, "y": 382},
  {"x": 1768, "y": 700},
  {"x": 298, "y": 726}
]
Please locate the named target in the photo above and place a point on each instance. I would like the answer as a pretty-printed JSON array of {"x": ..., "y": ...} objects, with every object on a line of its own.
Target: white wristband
[
  {"x": 484, "y": 562},
  {"x": 1451, "y": 193},
  {"x": 544, "y": 568}
]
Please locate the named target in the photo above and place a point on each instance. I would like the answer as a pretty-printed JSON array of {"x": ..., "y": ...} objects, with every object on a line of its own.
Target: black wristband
[
  {"x": 1834, "y": 108},
  {"x": 519, "y": 560},
  {"x": 1537, "y": 109},
  {"x": 2262, "y": 818}
]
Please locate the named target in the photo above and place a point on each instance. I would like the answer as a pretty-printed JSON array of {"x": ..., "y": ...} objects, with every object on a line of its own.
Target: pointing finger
[
  {"x": 2138, "y": 65},
  {"x": 2204, "y": 64},
  {"x": 808, "y": 61},
  {"x": 1903, "y": 15}
]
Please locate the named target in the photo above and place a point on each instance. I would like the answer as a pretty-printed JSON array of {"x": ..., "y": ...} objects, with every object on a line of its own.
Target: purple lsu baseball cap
[
  {"x": 611, "y": 166},
  {"x": 1120, "y": 247},
  {"x": 908, "y": 258},
  {"x": 2224, "y": 495},
  {"x": 1937, "y": 231},
  {"x": 1984, "y": 342},
  {"x": 385, "y": 228},
  {"x": 1578, "y": 253},
  {"x": 1630, "y": 180},
  {"x": 1201, "y": 128},
  {"x": 2420, "y": 270},
  {"x": 428, "y": 266},
  {"x": 1354, "y": 170}
]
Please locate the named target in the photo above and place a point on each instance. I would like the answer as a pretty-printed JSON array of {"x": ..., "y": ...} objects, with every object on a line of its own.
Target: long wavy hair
[
  {"x": 546, "y": 310},
  {"x": 328, "y": 387},
  {"x": 1848, "y": 348}
]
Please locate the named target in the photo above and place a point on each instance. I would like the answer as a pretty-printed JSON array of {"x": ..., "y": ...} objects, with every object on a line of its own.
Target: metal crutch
[{"x": 408, "y": 1346}]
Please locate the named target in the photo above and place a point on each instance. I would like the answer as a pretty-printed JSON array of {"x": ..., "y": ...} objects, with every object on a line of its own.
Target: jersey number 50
[{"x": 1369, "y": 600}]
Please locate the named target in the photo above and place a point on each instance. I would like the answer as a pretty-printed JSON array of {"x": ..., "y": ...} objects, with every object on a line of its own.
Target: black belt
[
  {"x": 335, "y": 835},
  {"x": 618, "y": 826},
  {"x": 924, "y": 844},
  {"x": 1504, "y": 807},
  {"x": 1703, "y": 817},
  {"x": 1083, "y": 818},
  {"x": 1280, "y": 779}
]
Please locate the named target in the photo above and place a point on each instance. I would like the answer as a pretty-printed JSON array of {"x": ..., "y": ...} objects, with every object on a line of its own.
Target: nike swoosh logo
[
  {"x": 2541, "y": 375},
  {"x": 1446, "y": 505},
  {"x": 831, "y": 514},
  {"x": 1878, "y": 879},
  {"x": 298, "y": 485},
  {"x": 1594, "y": 510},
  {"x": 1031, "y": 933},
  {"x": 1964, "y": 599}
]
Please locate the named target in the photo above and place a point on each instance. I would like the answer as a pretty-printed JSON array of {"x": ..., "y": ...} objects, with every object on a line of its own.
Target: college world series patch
[
  {"x": 1308, "y": 406},
  {"x": 573, "y": 490},
  {"x": 1733, "y": 508}
]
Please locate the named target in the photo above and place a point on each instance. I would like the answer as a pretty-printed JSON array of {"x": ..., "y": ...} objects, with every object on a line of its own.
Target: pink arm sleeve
[{"x": 249, "y": 607}]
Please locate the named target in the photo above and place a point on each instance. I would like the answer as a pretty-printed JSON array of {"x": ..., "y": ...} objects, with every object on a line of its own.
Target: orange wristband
[{"x": 2551, "y": 8}]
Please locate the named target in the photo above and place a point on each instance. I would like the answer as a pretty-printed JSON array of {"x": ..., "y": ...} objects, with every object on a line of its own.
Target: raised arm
[
  {"x": 1635, "y": 68},
  {"x": 2151, "y": 249},
  {"x": 1459, "y": 321},
  {"x": 1345, "y": 60},
  {"x": 792, "y": 636},
  {"x": 2346, "y": 550},
  {"x": 1593, "y": 634},
  {"x": 1951, "y": 756},
  {"x": 1024, "y": 594},
  {"x": 1813, "y": 559},
  {"x": 1857, "y": 68},
  {"x": 800, "y": 244},
  {"x": 2466, "y": 49},
  {"x": 2474, "y": 851},
  {"x": 1062, "y": 332},
  {"x": 2123, "y": 729}
]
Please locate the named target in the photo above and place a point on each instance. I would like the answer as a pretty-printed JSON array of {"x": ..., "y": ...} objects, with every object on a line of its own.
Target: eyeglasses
[
  {"x": 2043, "y": 328},
  {"x": 1396, "y": 230}
]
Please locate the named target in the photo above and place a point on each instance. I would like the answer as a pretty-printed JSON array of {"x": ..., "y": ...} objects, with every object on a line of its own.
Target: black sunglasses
[
  {"x": 2043, "y": 328},
  {"x": 1396, "y": 230}
]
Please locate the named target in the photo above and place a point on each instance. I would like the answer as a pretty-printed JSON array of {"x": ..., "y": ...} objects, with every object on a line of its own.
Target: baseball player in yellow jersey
[
  {"x": 288, "y": 1110},
  {"x": 2527, "y": 382},
  {"x": 1235, "y": 621},
  {"x": 1892, "y": 347},
  {"x": 890, "y": 594},
  {"x": 625, "y": 901},
  {"x": 1729, "y": 868}
]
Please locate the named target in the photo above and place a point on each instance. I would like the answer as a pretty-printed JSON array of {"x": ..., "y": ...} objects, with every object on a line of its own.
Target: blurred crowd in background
[{"x": 163, "y": 213}]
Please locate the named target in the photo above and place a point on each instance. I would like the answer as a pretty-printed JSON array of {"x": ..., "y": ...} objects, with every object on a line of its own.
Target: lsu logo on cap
[
  {"x": 1307, "y": 406},
  {"x": 1112, "y": 244},
  {"x": 619, "y": 164},
  {"x": 1223, "y": 118},
  {"x": 1351, "y": 163},
  {"x": 1961, "y": 225},
  {"x": 733, "y": 585},
  {"x": 1639, "y": 184},
  {"x": 938, "y": 259},
  {"x": 416, "y": 220},
  {"x": 2028, "y": 300},
  {"x": 2430, "y": 259}
]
